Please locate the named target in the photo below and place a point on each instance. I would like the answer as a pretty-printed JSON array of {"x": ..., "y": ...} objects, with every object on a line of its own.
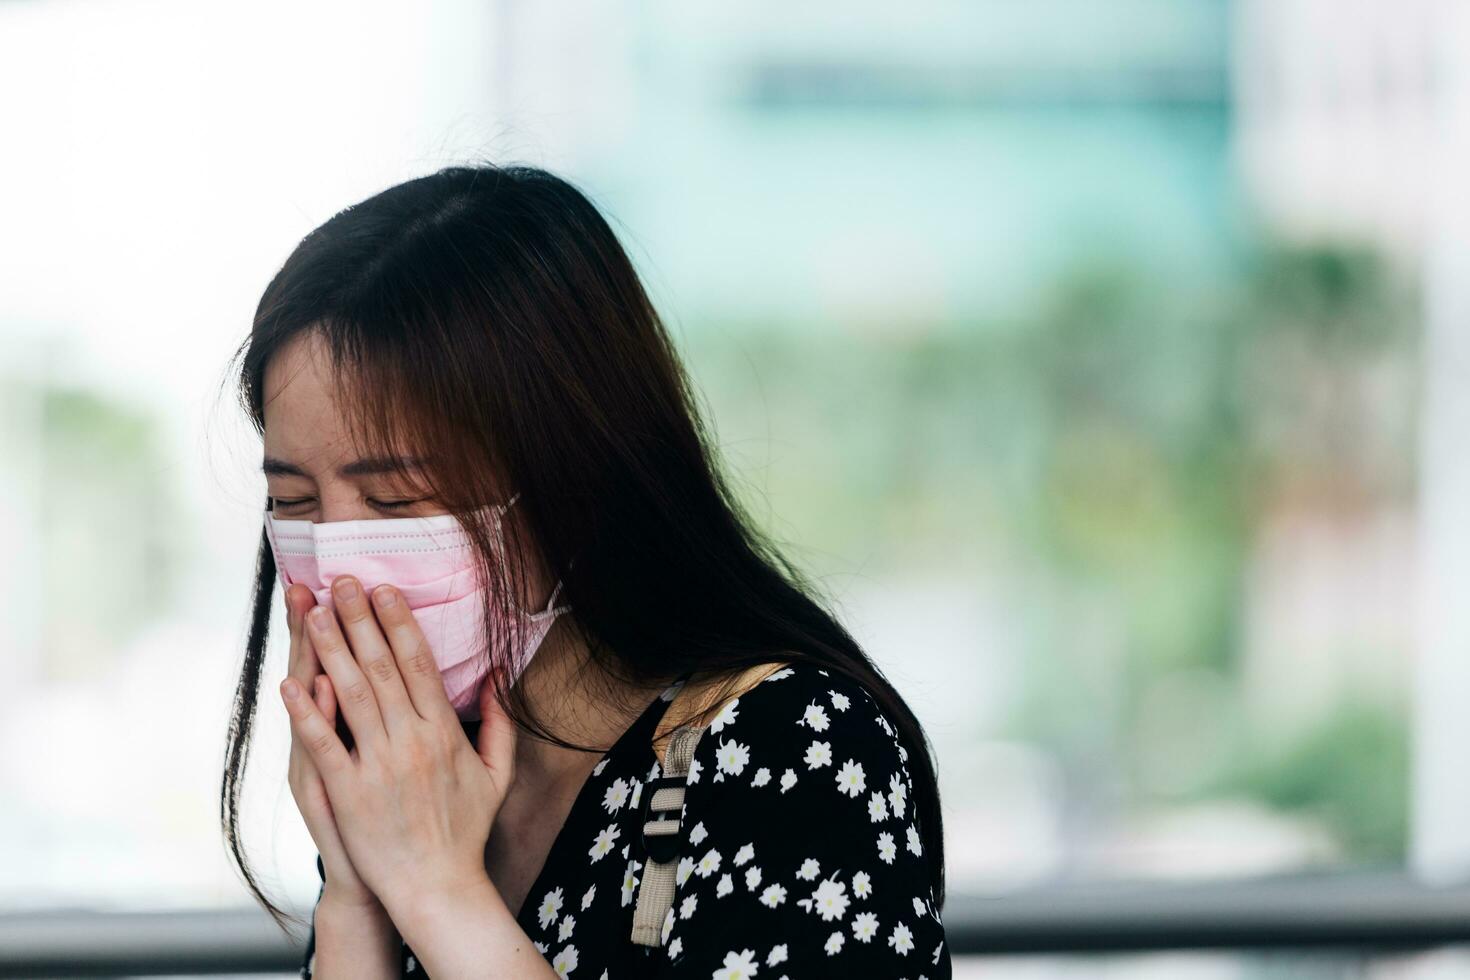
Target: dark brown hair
[{"x": 487, "y": 319}]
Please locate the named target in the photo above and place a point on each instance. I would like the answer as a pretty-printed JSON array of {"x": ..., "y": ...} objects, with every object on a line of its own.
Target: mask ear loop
[{"x": 550, "y": 609}]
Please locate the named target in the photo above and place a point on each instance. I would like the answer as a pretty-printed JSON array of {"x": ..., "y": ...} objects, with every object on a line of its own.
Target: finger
[
  {"x": 302, "y": 663},
  {"x": 310, "y": 727},
  {"x": 323, "y": 698},
  {"x": 329, "y": 696},
  {"x": 496, "y": 740},
  {"x": 372, "y": 651},
  {"x": 355, "y": 697},
  {"x": 421, "y": 675}
]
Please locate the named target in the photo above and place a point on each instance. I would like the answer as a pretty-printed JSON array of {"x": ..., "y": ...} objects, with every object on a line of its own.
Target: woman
[{"x": 461, "y": 386}]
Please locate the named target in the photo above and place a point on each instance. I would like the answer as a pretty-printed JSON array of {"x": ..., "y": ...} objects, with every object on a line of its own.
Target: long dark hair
[{"x": 488, "y": 319}]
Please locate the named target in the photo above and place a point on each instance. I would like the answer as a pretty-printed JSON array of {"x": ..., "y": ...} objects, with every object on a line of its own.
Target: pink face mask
[{"x": 430, "y": 561}]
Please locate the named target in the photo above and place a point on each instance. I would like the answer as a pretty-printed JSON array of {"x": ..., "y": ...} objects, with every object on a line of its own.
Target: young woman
[{"x": 487, "y": 470}]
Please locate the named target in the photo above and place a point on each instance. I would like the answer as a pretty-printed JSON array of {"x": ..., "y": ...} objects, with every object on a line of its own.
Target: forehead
[{"x": 303, "y": 422}]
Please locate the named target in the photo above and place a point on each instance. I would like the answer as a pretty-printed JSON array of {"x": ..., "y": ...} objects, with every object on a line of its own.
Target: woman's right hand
[{"x": 342, "y": 885}]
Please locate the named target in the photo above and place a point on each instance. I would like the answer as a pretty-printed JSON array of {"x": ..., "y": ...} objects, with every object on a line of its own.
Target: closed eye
[{"x": 277, "y": 503}]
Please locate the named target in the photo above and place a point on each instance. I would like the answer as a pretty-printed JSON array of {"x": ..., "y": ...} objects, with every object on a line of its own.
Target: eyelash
[{"x": 276, "y": 503}]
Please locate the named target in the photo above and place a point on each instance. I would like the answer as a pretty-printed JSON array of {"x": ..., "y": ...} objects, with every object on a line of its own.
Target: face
[{"x": 311, "y": 472}]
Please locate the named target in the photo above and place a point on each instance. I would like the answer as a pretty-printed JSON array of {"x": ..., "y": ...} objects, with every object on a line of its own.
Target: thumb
[{"x": 496, "y": 740}]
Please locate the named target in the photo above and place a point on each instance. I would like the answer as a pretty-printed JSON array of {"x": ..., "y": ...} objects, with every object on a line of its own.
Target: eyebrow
[{"x": 372, "y": 466}]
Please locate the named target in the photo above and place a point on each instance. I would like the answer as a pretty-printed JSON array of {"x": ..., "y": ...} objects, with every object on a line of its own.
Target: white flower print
[
  {"x": 597, "y": 769},
  {"x": 738, "y": 966},
  {"x": 818, "y": 754},
  {"x": 630, "y": 880},
  {"x": 616, "y": 795},
  {"x": 694, "y": 770},
  {"x": 877, "y": 808},
  {"x": 781, "y": 674},
  {"x": 865, "y": 915},
  {"x": 540, "y": 947},
  {"x": 708, "y": 864},
  {"x": 903, "y": 754},
  {"x": 550, "y": 908},
  {"x": 604, "y": 842},
  {"x": 830, "y": 899},
  {"x": 726, "y": 716},
  {"x": 897, "y": 793},
  {"x": 850, "y": 778},
  {"x": 731, "y": 757},
  {"x": 412, "y": 964},
  {"x": 815, "y": 718}
]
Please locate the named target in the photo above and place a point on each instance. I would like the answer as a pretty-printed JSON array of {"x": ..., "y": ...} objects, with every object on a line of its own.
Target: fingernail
[
  {"x": 345, "y": 588},
  {"x": 290, "y": 689},
  {"x": 384, "y": 596},
  {"x": 318, "y": 617}
]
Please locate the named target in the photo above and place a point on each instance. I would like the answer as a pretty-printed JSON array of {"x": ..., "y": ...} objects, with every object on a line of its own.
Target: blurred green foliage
[{"x": 1117, "y": 454}]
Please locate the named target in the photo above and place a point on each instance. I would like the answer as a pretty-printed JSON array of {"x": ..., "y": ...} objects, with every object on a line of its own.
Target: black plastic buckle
[{"x": 662, "y": 848}]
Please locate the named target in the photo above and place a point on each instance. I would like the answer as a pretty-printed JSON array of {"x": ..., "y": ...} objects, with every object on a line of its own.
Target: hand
[
  {"x": 415, "y": 800},
  {"x": 343, "y": 885}
]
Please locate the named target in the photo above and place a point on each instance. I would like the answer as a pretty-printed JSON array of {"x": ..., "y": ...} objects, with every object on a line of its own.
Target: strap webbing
[
  {"x": 692, "y": 709},
  {"x": 656, "y": 887}
]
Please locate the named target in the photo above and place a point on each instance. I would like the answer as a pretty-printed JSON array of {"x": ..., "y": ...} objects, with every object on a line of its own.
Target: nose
[{"x": 343, "y": 503}]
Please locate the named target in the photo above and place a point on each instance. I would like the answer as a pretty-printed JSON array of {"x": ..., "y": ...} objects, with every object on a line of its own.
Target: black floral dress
[{"x": 801, "y": 855}]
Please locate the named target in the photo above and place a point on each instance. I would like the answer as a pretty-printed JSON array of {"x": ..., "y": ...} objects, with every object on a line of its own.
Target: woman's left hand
[{"x": 414, "y": 800}]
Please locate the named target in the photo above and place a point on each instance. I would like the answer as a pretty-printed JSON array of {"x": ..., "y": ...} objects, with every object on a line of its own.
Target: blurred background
[{"x": 1105, "y": 360}]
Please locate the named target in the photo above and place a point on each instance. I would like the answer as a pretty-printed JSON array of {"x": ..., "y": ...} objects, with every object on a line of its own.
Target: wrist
[
  {"x": 425, "y": 908},
  {"x": 343, "y": 909},
  {"x": 356, "y": 940}
]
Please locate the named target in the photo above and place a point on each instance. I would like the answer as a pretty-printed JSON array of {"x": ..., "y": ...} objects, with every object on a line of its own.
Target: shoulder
[
  {"x": 821, "y": 711},
  {"x": 802, "y": 839},
  {"x": 808, "y": 739}
]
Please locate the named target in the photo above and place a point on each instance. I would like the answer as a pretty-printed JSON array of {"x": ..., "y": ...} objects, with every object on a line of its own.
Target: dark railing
[{"x": 1358, "y": 912}]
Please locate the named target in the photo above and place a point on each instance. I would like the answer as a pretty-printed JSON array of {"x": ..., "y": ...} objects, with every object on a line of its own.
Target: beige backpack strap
[
  {"x": 684, "y": 721},
  {"x": 698, "y": 702}
]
